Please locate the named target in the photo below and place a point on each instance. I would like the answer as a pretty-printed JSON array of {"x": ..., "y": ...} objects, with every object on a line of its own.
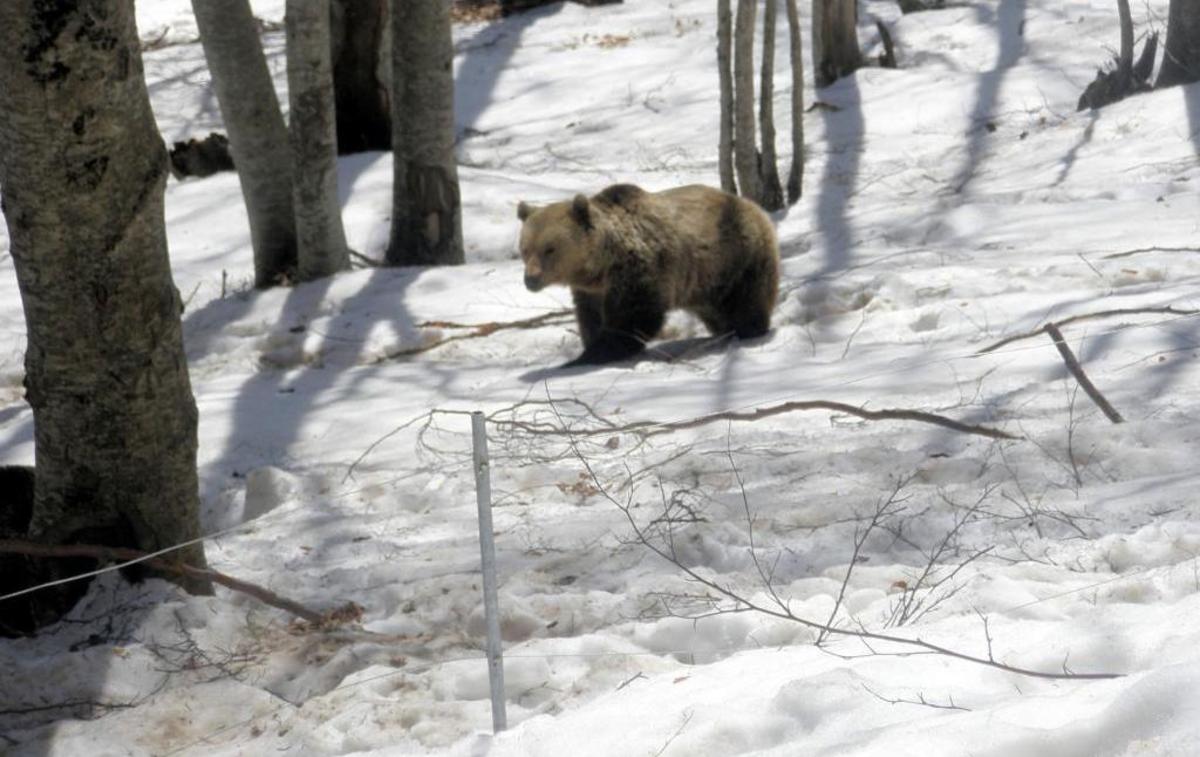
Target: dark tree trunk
[
  {"x": 1125, "y": 57},
  {"x": 320, "y": 238},
  {"x": 772, "y": 190},
  {"x": 725, "y": 79},
  {"x": 426, "y": 209},
  {"x": 83, "y": 170},
  {"x": 364, "y": 120},
  {"x": 795, "y": 184},
  {"x": 1181, "y": 57},
  {"x": 258, "y": 137},
  {"x": 835, "y": 40},
  {"x": 745, "y": 147}
]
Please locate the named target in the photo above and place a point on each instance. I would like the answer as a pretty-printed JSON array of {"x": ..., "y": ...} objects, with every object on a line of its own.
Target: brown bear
[{"x": 629, "y": 256}]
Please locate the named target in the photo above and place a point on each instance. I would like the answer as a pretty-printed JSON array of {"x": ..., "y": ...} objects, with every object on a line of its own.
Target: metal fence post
[{"x": 487, "y": 554}]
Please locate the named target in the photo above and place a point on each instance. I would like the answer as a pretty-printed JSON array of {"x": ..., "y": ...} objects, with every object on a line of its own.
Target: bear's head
[{"x": 559, "y": 244}]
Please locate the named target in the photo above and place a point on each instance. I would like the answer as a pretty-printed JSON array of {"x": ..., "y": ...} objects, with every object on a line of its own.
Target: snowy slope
[{"x": 948, "y": 204}]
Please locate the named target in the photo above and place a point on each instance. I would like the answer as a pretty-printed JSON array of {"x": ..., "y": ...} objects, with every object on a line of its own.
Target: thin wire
[
  {"x": 126, "y": 564},
  {"x": 1103, "y": 582},
  {"x": 174, "y": 547},
  {"x": 973, "y": 355},
  {"x": 912, "y": 367}
]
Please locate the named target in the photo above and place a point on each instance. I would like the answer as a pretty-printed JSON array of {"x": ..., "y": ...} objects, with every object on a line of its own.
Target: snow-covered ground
[{"x": 948, "y": 204}]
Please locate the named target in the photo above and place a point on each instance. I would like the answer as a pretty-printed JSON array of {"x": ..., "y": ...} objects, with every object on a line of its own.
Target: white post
[{"x": 487, "y": 554}]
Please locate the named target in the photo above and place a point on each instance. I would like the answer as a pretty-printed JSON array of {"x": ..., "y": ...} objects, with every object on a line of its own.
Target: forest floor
[{"x": 949, "y": 204}]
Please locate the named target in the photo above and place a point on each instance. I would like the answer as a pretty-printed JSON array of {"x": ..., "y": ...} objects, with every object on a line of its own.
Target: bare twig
[
  {"x": 111, "y": 554},
  {"x": 883, "y": 510},
  {"x": 920, "y": 700},
  {"x": 1077, "y": 371},
  {"x": 742, "y": 603},
  {"x": 767, "y": 576},
  {"x": 923, "y": 595},
  {"x": 687, "y": 718},
  {"x": 1166, "y": 310}
]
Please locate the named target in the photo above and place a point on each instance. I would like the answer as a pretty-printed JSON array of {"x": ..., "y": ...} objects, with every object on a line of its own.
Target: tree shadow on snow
[
  {"x": 1068, "y": 161},
  {"x": 1191, "y": 99},
  {"x": 845, "y": 133},
  {"x": 273, "y": 406},
  {"x": 1010, "y": 25},
  {"x": 485, "y": 56},
  {"x": 671, "y": 351}
]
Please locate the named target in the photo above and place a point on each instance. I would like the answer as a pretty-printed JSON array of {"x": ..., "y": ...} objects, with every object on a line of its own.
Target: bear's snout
[{"x": 534, "y": 283}]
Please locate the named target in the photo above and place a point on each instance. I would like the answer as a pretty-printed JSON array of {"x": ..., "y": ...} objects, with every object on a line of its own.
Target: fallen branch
[
  {"x": 113, "y": 554},
  {"x": 1077, "y": 371},
  {"x": 478, "y": 330},
  {"x": 1140, "y": 250},
  {"x": 892, "y": 414},
  {"x": 1165, "y": 310},
  {"x": 505, "y": 420}
]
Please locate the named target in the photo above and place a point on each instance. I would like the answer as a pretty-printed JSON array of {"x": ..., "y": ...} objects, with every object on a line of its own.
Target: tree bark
[
  {"x": 795, "y": 184},
  {"x": 83, "y": 170},
  {"x": 772, "y": 190},
  {"x": 725, "y": 77},
  {"x": 363, "y": 106},
  {"x": 426, "y": 209},
  {"x": 1125, "y": 57},
  {"x": 744, "y": 142},
  {"x": 258, "y": 137},
  {"x": 1181, "y": 57},
  {"x": 835, "y": 40},
  {"x": 320, "y": 238}
]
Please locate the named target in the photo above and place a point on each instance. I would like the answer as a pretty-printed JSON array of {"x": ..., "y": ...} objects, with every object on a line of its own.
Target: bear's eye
[{"x": 549, "y": 251}]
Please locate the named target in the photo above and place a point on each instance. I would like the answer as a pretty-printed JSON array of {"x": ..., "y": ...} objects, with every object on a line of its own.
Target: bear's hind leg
[
  {"x": 746, "y": 307},
  {"x": 714, "y": 319}
]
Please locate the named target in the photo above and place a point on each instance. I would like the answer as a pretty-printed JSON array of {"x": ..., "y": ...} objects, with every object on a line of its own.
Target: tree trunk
[
  {"x": 795, "y": 184},
  {"x": 258, "y": 137},
  {"x": 745, "y": 149},
  {"x": 835, "y": 40},
  {"x": 725, "y": 76},
  {"x": 1181, "y": 58},
  {"x": 426, "y": 210},
  {"x": 772, "y": 190},
  {"x": 1125, "y": 57},
  {"x": 83, "y": 171},
  {"x": 320, "y": 238},
  {"x": 363, "y": 107}
]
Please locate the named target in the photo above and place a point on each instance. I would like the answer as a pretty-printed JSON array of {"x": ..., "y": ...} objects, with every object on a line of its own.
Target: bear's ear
[
  {"x": 581, "y": 211},
  {"x": 524, "y": 210}
]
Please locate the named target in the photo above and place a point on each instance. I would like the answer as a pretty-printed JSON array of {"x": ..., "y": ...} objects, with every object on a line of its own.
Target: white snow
[{"x": 950, "y": 203}]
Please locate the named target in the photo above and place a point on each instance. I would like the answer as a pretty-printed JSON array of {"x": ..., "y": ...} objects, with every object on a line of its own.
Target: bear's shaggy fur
[{"x": 629, "y": 256}]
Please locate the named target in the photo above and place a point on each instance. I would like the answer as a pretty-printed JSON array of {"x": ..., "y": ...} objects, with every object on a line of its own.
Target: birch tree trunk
[
  {"x": 744, "y": 143},
  {"x": 835, "y": 40},
  {"x": 363, "y": 104},
  {"x": 1181, "y": 57},
  {"x": 426, "y": 209},
  {"x": 83, "y": 171},
  {"x": 320, "y": 238},
  {"x": 795, "y": 184},
  {"x": 725, "y": 77},
  {"x": 772, "y": 190},
  {"x": 258, "y": 137}
]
